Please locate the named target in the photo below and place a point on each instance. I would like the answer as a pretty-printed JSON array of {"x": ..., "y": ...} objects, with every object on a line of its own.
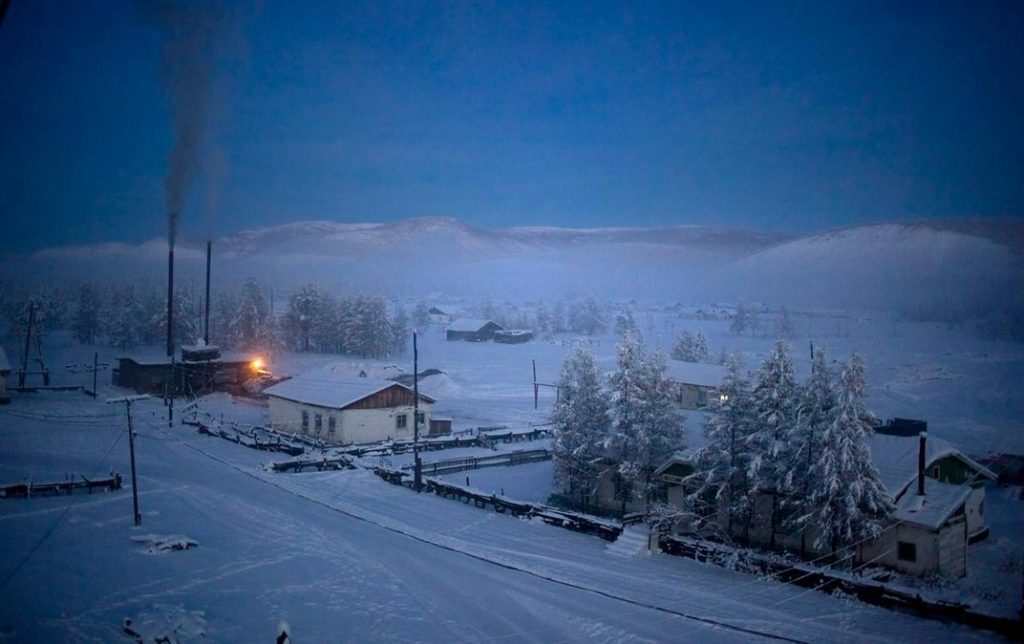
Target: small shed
[
  {"x": 694, "y": 382},
  {"x": 338, "y": 408},
  {"x": 201, "y": 370},
  {"x": 472, "y": 330},
  {"x": 513, "y": 336},
  {"x": 5, "y": 370}
]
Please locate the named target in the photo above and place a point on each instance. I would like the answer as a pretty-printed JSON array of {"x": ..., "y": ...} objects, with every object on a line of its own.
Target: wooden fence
[{"x": 69, "y": 486}]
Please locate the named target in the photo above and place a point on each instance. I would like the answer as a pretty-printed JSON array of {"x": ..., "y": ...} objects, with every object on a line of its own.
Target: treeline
[{"x": 125, "y": 316}]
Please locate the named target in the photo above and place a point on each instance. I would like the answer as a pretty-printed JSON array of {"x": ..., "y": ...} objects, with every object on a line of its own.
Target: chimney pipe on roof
[{"x": 920, "y": 462}]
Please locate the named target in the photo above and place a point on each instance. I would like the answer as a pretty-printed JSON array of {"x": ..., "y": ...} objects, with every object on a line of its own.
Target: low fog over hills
[{"x": 934, "y": 270}]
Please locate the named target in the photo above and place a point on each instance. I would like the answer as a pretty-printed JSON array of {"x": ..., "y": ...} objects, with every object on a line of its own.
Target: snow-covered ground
[{"x": 344, "y": 556}]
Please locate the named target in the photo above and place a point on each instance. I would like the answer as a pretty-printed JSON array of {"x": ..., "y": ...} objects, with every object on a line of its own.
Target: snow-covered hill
[{"x": 961, "y": 265}]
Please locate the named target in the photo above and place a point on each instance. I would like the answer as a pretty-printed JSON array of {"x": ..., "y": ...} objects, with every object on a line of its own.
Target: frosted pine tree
[
  {"x": 775, "y": 398},
  {"x": 252, "y": 326},
  {"x": 720, "y": 479},
  {"x": 124, "y": 312},
  {"x": 300, "y": 317},
  {"x": 399, "y": 331},
  {"x": 646, "y": 425},
  {"x": 813, "y": 415},
  {"x": 580, "y": 426},
  {"x": 86, "y": 320},
  {"x": 847, "y": 501}
]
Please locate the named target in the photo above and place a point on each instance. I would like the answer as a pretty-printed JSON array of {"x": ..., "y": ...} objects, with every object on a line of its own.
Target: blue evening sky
[{"x": 768, "y": 115}]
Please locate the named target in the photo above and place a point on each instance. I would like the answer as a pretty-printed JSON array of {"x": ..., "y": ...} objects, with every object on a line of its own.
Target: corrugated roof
[
  {"x": 695, "y": 373},
  {"x": 326, "y": 388},
  {"x": 470, "y": 324}
]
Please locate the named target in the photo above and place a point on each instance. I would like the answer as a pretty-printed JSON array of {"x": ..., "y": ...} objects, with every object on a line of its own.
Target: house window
[
  {"x": 419, "y": 418},
  {"x": 401, "y": 420},
  {"x": 981, "y": 508},
  {"x": 332, "y": 424},
  {"x": 935, "y": 472},
  {"x": 318, "y": 423},
  {"x": 305, "y": 420},
  {"x": 906, "y": 551}
]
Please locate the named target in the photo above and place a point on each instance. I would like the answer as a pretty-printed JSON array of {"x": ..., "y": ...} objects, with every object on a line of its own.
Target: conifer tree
[
  {"x": 847, "y": 500},
  {"x": 580, "y": 426},
  {"x": 774, "y": 405},
  {"x": 721, "y": 478}
]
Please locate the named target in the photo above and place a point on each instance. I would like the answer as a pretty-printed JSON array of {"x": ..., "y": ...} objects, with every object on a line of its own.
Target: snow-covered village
[{"x": 253, "y": 387}]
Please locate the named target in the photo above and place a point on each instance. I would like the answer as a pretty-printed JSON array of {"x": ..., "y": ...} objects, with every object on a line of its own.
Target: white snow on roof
[
  {"x": 470, "y": 324},
  {"x": 939, "y": 502},
  {"x": 4, "y": 365},
  {"x": 327, "y": 388},
  {"x": 896, "y": 459},
  {"x": 695, "y": 373}
]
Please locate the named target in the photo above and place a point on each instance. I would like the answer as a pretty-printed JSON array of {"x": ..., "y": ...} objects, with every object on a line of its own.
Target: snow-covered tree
[
  {"x": 744, "y": 319},
  {"x": 721, "y": 477},
  {"x": 86, "y": 320},
  {"x": 558, "y": 324},
  {"x": 586, "y": 317},
  {"x": 399, "y": 331},
  {"x": 252, "y": 324},
  {"x": 580, "y": 426},
  {"x": 647, "y": 426},
  {"x": 542, "y": 321},
  {"x": 847, "y": 501},
  {"x": 366, "y": 330},
  {"x": 813, "y": 414},
  {"x": 784, "y": 325},
  {"x": 123, "y": 316},
  {"x": 421, "y": 316},
  {"x": 775, "y": 398},
  {"x": 625, "y": 323},
  {"x": 301, "y": 315},
  {"x": 691, "y": 347}
]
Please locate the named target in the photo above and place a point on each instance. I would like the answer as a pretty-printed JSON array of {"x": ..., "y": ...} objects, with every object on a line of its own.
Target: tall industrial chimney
[
  {"x": 170, "y": 299},
  {"x": 206, "y": 319}
]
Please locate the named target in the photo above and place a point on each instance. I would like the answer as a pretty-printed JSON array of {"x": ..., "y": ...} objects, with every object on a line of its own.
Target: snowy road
[{"x": 342, "y": 556}]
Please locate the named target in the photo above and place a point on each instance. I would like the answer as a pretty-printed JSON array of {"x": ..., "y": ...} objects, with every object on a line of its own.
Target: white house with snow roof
[{"x": 340, "y": 408}]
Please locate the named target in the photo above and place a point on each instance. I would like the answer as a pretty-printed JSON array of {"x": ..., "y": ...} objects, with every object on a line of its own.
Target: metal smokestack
[
  {"x": 170, "y": 298},
  {"x": 921, "y": 453},
  {"x": 206, "y": 319}
]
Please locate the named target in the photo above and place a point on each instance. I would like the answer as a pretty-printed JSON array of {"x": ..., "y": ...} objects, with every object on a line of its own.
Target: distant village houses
[
  {"x": 339, "y": 408},
  {"x": 437, "y": 315}
]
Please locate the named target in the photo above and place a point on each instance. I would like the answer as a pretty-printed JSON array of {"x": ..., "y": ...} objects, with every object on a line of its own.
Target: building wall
[
  {"x": 692, "y": 397},
  {"x": 351, "y": 425},
  {"x": 3, "y": 388}
]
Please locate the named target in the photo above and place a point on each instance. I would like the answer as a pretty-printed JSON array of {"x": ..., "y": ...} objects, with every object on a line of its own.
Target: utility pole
[
  {"x": 95, "y": 369},
  {"x": 535, "y": 387},
  {"x": 417, "y": 464},
  {"x": 128, "y": 400}
]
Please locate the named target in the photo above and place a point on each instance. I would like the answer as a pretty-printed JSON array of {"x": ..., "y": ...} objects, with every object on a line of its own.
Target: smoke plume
[{"x": 191, "y": 34}]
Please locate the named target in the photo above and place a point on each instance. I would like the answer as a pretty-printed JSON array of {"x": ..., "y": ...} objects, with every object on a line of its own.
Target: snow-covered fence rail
[
  {"x": 251, "y": 438},
  {"x": 69, "y": 486},
  {"x": 574, "y": 521},
  {"x": 319, "y": 464},
  {"x": 826, "y": 580},
  {"x": 465, "y": 463}
]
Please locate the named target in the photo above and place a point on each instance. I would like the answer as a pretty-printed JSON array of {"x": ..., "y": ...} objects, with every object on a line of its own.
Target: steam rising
[{"x": 191, "y": 34}]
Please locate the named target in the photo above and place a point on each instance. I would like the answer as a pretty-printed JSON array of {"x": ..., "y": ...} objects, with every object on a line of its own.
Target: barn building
[
  {"x": 201, "y": 370},
  {"x": 472, "y": 330},
  {"x": 694, "y": 383},
  {"x": 437, "y": 315},
  {"x": 5, "y": 370},
  {"x": 341, "y": 409},
  {"x": 513, "y": 336}
]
